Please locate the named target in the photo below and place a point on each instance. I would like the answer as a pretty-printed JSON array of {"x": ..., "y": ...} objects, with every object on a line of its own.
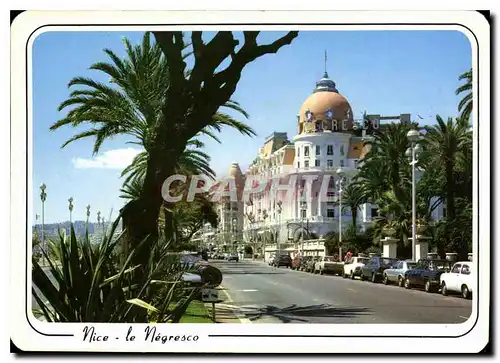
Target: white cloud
[{"x": 111, "y": 159}]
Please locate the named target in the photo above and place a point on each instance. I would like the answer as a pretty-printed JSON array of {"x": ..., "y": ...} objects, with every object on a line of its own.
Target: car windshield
[
  {"x": 411, "y": 265},
  {"x": 363, "y": 260},
  {"x": 329, "y": 258},
  {"x": 441, "y": 265},
  {"x": 387, "y": 261}
]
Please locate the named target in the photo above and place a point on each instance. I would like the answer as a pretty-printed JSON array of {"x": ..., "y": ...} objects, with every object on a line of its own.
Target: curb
[{"x": 225, "y": 313}]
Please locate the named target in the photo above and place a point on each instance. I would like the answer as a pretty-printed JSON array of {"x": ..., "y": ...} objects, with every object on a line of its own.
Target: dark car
[
  {"x": 282, "y": 260},
  {"x": 375, "y": 267},
  {"x": 426, "y": 274}
]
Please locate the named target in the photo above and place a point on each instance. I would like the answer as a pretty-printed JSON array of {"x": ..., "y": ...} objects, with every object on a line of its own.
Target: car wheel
[
  {"x": 428, "y": 286},
  {"x": 352, "y": 275},
  {"x": 407, "y": 283},
  {"x": 400, "y": 281},
  {"x": 362, "y": 277},
  {"x": 321, "y": 272},
  {"x": 344, "y": 275},
  {"x": 374, "y": 277},
  {"x": 444, "y": 289},
  {"x": 386, "y": 280},
  {"x": 465, "y": 292}
]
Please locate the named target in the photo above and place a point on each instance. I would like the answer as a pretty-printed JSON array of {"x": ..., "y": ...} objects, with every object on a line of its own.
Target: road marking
[
  {"x": 352, "y": 290},
  {"x": 248, "y": 290},
  {"x": 242, "y": 318},
  {"x": 463, "y": 317}
]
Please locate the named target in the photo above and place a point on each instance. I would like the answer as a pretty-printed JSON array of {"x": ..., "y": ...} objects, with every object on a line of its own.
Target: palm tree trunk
[{"x": 354, "y": 214}]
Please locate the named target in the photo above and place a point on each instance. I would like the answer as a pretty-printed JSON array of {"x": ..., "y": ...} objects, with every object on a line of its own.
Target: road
[{"x": 264, "y": 294}]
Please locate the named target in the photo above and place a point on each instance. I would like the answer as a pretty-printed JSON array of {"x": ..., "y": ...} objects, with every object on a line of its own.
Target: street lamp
[
  {"x": 88, "y": 213},
  {"x": 278, "y": 234},
  {"x": 70, "y": 207},
  {"x": 303, "y": 211},
  {"x": 98, "y": 218},
  {"x": 234, "y": 233},
  {"x": 340, "y": 184},
  {"x": 43, "y": 197},
  {"x": 412, "y": 153}
]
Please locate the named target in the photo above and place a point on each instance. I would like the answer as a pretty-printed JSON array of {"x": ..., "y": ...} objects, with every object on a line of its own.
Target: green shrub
[{"x": 89, "y": 283}]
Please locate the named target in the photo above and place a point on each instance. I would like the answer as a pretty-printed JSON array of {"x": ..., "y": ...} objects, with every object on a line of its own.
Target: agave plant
[{"x": 86, "y": 283}]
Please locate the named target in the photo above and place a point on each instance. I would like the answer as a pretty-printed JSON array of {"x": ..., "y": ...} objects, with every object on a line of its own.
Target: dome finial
[{"x": 326, "y": 74}]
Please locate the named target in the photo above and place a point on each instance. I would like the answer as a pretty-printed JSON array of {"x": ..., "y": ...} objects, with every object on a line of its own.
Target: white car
[
  {"x": 459, "y": 279},
  {"x": 352, "y": 267}
]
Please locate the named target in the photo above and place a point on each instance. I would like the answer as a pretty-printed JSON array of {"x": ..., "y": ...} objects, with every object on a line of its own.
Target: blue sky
[{"x": 382, "y": 72}]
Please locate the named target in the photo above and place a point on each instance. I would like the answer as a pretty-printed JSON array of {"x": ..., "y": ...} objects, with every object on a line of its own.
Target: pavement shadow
[{"x": 301, "y": 313}]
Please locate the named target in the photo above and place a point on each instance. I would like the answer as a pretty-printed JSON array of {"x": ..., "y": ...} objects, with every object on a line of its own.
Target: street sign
[{"x": 209, "y": 295}]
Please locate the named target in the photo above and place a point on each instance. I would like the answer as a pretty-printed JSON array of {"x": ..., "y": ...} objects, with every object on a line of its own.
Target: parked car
[
  {"x": 352, "y": 267},
  {"x": 396, "y": 273},
  {"x": 329, "y": 264},
  {"x": 309, "y": 264},
  {"x": 427, "y": 273},
  {"x": 459, "y": 279},
  {"x": 233, "y": 257},
  {"x": 282, "y": 260},
  {"x": 375, "y": 267},
  {"x": 199, "y": 272}
]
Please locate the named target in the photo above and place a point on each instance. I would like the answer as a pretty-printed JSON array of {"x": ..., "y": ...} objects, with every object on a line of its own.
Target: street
[{"x": 258, "y": 293}]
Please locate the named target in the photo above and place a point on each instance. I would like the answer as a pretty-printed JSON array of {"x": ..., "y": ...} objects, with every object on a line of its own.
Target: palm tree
[
  {"x": 446, "y": 146},
  {"x": 354, "y": 196},
  {"x": 385, "y": 166},
  {"x": 465, "y": 105},
  {"x": 132, "y": 104}
]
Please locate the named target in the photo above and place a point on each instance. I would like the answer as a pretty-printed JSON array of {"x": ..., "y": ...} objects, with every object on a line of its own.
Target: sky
[{"x": 380, "y": 72}]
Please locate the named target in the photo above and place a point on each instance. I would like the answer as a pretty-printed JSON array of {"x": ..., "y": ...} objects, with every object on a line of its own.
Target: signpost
[{"x": 211, "y": 296}]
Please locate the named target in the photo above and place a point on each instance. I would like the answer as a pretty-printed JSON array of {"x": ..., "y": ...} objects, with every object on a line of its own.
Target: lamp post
[
  {"x": 278, "y": 234},
  {"x": 98, "y": 218},
  {"x": 303, "y": 211},
  {"x": 43, "y": 197},
  {"x": 412, "y": 153},
  {"x": 88, "y": 214},
  {"x": 70, "y": 207},
  {"x": 234, "y": 233},
  {"x": 340, "y": 184}
]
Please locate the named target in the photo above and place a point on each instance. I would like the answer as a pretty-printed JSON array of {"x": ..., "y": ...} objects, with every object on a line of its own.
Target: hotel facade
[{"x": 272, "y": 220}]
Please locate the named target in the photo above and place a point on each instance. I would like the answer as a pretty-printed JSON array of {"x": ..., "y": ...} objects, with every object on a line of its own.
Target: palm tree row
[{"x": 445, "y": 169}]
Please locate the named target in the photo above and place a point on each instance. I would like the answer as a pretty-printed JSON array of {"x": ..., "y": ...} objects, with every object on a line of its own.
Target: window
[
  {"x": 341, "y": 163},
  {"x": 298, "y": 151},
  {"x": 342, "y": 150},
  {"x": 329, "y": 163},
  {"x": 298, "y": 164},
  {"x": 456, "y": 268},
  {"x": 302, "y": 183},
  {"x": 331, "y": 183},
  {"x": 316, "y": 162},
  {"x": 465, "y": 270},
  {"x": 374, "y": 212},
  {"x": 330, "y": 213},
  {"x": 330, "y": 194},
  {"x": 306, "y": 150},
  {"x": 303, "y": 213},
  {"x": 329, "y": 150},
  {"x": 318, "y": 149},
  {"x": 306, "y": 164}
]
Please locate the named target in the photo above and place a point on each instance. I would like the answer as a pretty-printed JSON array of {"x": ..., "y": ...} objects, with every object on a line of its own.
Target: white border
[{"x": 26, "y": 338}]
